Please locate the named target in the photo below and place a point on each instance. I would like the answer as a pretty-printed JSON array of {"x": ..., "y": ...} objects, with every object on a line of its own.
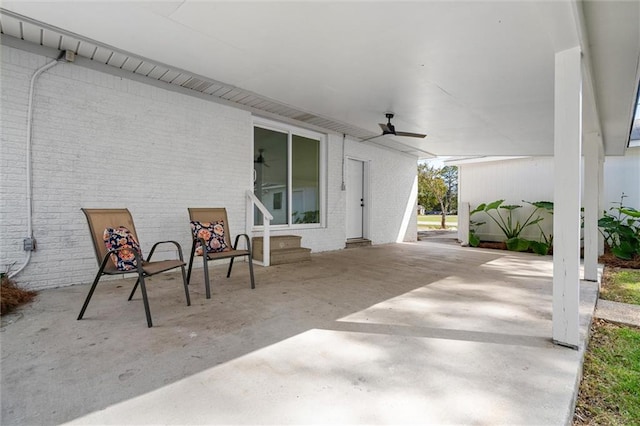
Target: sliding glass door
[{"x": 287, "y": 176}]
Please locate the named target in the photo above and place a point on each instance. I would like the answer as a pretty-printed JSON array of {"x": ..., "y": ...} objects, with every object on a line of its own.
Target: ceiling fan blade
[
  {"x": 412, "y": 135},
  {"x": 385, "y": 128},
  {"x": 371, "y": 137}
]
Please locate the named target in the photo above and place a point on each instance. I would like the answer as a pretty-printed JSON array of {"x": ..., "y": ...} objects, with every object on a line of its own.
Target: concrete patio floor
[{"x": 422, "y": 333}]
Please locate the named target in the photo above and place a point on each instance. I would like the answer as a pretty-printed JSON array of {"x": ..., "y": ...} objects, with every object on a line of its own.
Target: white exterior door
[{"x": 355, "y": 199}]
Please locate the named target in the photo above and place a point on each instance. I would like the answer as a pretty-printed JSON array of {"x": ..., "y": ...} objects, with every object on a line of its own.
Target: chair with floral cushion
[
  {"x": 212, "y": 241},
  {"x": 118, "y": 252}
]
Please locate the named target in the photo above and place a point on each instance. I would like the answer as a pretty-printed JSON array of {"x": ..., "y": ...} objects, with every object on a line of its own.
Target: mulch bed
[
  {"x": 501, "y": 246},
  {"x": 609, "y": 259},
  {"x": 493, "y": 245},
  {"x": 12, "y": 296}
]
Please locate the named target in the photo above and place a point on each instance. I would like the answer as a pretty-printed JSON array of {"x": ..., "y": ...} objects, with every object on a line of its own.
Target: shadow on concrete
[{"x": 385, "y": 334}]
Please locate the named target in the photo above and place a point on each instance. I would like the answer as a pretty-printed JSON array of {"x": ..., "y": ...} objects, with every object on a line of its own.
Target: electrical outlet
[{"x": 29, "y": 244}]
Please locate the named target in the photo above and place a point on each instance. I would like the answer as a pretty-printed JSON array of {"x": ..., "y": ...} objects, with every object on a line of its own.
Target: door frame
[{"x": 366, "y": 192}]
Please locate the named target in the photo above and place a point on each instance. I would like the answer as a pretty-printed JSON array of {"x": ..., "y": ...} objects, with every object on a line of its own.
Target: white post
[
  {"x": 463, "y": 223},
  {"x": 601, "y": 200},
  {"x": 566, "y": 197},
  {"x": 266, "y": 242},
  {"x": 249, "y": 215},
  {"x": 592, "y": 165},
  {"x": 252, "y": 201}
]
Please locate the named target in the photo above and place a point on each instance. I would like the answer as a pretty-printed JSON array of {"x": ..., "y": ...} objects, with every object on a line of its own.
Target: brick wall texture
[{"x": 102, "y": 141}]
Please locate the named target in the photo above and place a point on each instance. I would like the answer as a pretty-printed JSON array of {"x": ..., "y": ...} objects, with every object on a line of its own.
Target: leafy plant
[
  {"x": 545, "y": 244},
  {"x": 474, "y": 240},
  {"x": 310, "y": 216},
  {"x": 621, "y": 230},
  {"x": 510, "y": 226}
]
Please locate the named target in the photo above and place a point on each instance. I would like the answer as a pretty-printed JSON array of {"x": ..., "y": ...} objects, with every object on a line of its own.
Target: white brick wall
[
  {"x": 392, "y": 177},
  {"x": 104, "y": 141}
]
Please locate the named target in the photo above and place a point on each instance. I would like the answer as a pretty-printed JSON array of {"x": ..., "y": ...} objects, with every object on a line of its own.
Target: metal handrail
[{"x": 268, "y": 217}]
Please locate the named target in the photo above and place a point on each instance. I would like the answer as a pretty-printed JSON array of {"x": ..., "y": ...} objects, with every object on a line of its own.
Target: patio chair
[
  {"x": 212, "y": 241},
  {"x": 114, "y": 228}
]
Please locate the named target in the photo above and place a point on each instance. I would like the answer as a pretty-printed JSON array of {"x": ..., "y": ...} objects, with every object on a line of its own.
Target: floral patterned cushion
[
  {"x": 121, "y": 237},
  {"x": 213, "y": 235}
]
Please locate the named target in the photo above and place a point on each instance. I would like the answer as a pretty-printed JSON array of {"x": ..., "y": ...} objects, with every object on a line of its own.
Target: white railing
[{"x": 268, "y": 217}]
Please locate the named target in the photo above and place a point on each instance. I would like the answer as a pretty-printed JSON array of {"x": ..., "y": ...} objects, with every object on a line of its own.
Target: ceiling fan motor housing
[{"x": 390, "y": 130}]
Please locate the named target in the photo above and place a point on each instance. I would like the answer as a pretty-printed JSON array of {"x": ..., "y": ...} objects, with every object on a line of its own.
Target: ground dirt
[{"x": 609, "y": 259}]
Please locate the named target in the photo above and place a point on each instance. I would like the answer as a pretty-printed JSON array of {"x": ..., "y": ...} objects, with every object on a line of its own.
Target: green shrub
[{"x": 621, "y": 230}]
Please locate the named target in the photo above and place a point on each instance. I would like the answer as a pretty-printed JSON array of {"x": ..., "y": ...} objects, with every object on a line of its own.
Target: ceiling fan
[
  {"x": 390, "y": 129},
  {"x": 260, "y": 159}
]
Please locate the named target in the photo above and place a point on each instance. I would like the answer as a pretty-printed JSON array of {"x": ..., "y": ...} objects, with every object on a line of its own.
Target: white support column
[
  {"x": 592, "y": 144},
  {"x": 566, "y": 197},
  {"x": 463, "y": 223},
  {"x": 601, "y": 208}
]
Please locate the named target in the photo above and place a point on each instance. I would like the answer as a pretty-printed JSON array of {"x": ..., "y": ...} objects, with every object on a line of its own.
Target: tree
[
  {"x": 450, "y": 177},
  {"x": 438, "y": 187},
  {"x": 425, "y": 196}
]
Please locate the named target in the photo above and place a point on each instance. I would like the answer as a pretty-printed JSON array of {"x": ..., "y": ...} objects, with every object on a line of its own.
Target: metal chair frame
[
  {"x": 213, "y": 215},
  {"x": 146, "y": 268}
]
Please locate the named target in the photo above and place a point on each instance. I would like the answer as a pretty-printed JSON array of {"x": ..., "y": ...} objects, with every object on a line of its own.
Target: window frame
[{"x": 291, "y": 130}]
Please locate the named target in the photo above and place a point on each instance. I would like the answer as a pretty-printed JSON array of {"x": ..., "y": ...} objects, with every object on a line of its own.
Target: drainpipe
[
  {"x": 343, "y": 187},
  {"x": 29, "y": 241}
]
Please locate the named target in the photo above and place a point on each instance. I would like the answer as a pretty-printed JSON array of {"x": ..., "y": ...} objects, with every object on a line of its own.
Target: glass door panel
[
  {"x": 270, "y": 164},
  {"x": 305, "y": 180}
]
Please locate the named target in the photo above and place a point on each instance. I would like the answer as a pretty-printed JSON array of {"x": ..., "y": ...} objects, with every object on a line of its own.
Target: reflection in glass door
[
  {"x": 286, "y": 176},
  {"x": 270, "y": 163}
]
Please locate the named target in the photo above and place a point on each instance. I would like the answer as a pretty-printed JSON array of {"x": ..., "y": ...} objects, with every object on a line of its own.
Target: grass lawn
[
  {"x": 432, "y": 221},
  {"x": 610, "y": 386},
  {"x": 621, "y": 285}
]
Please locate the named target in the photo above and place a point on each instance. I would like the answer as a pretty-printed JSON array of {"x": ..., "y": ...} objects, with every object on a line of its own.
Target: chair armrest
[
  {"x": 202, "y": 242},
  {"x": 175, "y": 243},
  {"x": 248, "y": 241}
]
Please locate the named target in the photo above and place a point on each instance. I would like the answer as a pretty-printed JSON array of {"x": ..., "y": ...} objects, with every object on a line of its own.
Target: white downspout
[{"x": 35, "y": 76}]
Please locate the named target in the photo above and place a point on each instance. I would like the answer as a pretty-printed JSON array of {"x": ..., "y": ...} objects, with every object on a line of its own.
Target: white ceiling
[{"x": 476, "y": 76}]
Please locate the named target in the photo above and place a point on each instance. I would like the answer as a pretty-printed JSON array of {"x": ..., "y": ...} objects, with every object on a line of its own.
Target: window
[{"x": 287, "y": 175}]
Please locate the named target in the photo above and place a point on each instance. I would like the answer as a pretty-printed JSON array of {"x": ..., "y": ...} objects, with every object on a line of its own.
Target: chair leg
[
  {"x": 207, "y": 287},
  {"x": 86, "y": 301},
  {"x": 193, "y": 251},
  {"x": 93, "y": 286},
  {"x": 230, "y": 266},
  {"x": 135, "y": 287},
  {"x": 145, "y": 300},
  {"x": 253, "y": 284},
  {"x": 186, "y": 287}
]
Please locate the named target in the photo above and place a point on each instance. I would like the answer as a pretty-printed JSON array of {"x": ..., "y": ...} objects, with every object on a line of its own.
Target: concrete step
[
  {"x": 357, "y": 242},
  {"x": 292, "y": 255},
  {"x": 277, "y": 242},
  {"x": 284, "y": 249}
]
